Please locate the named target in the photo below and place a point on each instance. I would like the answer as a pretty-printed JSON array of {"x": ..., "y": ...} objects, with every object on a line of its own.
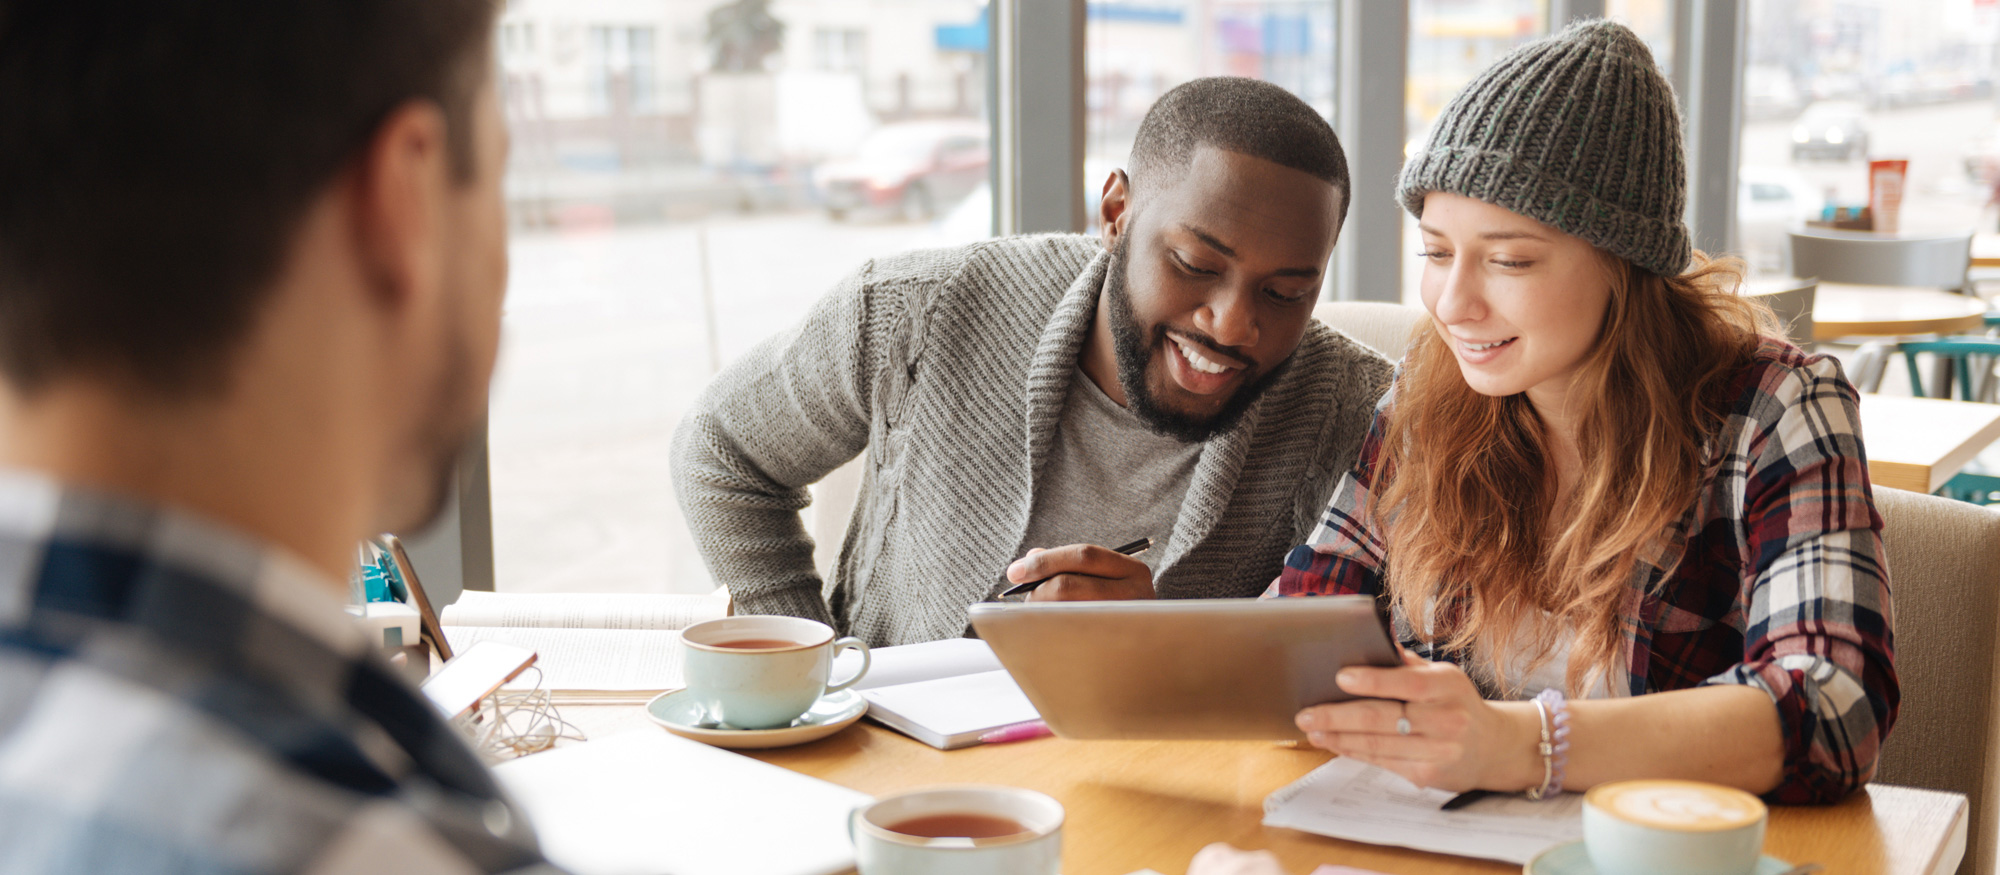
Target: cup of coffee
[
  {"x": 1672, "y": 828},
  {"x": 970, "y": 829},
  {"x": 762, "y": 672}
]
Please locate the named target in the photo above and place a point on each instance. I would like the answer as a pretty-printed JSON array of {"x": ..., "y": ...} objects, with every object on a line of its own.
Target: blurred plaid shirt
[
  {"x": 176, "y": 698},
  {"x": 1780, "y": 584}
]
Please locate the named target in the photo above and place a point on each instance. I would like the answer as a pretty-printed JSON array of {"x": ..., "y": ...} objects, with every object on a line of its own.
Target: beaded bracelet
[{"x": 1554, "y": 712}]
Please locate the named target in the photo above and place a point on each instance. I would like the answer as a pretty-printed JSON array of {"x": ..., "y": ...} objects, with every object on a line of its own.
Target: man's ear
[
  {"x": 1114, "y": 206},
  {"x": 397, "y": 191}
]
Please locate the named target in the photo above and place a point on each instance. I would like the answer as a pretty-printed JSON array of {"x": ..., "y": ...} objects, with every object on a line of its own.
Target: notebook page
[
  {"x": 648, "y": 802},
  {"x": 951, "y": 706},
  {"x": 1349, "y": 799},
  {"x": 587, "y": 659},
  {"x": 583, "y": 611},
  {"x": 909, "y": 663}
]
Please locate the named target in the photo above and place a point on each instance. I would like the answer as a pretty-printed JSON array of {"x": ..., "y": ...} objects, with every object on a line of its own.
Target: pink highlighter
[{"x": 1017, "y": 732}]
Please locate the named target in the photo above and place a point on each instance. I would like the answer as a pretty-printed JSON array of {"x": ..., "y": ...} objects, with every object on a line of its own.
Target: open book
[
  {"x": 604, "y": 647},
  {"x": 943, "y": 693}
]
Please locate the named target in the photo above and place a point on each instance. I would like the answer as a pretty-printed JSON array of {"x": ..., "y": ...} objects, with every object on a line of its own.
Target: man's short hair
[
  {"x": 157, "y": 157},
  {"x": 1247, "y": 116}
]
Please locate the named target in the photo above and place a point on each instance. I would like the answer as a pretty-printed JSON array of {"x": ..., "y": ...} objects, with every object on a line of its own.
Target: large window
[
  {"x": 1135, "y": 51},
  {"x": 687, "y": 177},
  {"x": 1828, "y": 85}
]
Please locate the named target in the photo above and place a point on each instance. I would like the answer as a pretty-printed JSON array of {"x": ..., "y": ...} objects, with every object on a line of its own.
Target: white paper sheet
[
  {"x": 583, "y": 611},
  {"x": 598, "y": 660},
  {"x": 1349, "y": 799},
  {"x": 647, "y": 802}
]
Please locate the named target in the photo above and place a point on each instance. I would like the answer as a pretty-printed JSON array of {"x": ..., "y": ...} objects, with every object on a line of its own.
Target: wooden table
[
  {"x": 1919, "y": 443},
  {"x": 1986, "y": 250},
  {"x": 1892, "y": 311},
  {"x": 1151, "y": 804}
]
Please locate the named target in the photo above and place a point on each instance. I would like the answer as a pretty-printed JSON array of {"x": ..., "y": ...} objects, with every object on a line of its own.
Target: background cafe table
[
  {"x": 1919, "y": 443},
  {"x": 1151, "y": 804},
  {"x": 1841, "y": 310}
]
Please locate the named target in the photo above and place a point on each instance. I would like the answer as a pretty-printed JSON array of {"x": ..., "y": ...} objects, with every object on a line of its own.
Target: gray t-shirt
[{"x": 1109, "y": 480}]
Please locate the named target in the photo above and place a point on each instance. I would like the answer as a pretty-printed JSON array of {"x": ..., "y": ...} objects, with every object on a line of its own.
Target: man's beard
[
  {"x": 419, "y": 501},
  {"x": 1134, "y": 352}
]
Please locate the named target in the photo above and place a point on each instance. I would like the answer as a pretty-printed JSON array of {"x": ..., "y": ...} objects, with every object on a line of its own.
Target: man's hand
[
  {"x": 1223, "y": 859},
  {"x": 1082, "y": 572}
]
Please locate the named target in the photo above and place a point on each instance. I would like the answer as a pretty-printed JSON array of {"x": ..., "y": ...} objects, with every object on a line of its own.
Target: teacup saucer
[
  {"x": 677, "y": 712},
  {"x": 1569, "y": 858}
]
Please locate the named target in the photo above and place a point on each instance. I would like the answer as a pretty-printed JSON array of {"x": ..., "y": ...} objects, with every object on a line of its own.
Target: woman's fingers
[
  {"x": 1371, "y": 746},
  {"x": 1368, "y": 715},
  {"x": 1418, "y": 681}
]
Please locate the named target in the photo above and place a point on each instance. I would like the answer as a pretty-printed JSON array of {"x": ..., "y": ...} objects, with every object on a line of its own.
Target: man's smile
[{"x": 1199, "y": 368}]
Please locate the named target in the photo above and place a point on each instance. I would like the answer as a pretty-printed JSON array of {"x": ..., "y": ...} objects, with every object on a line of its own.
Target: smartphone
[
  {"x": 474, "y": 675},
  {"x": 406, "y": 575}
]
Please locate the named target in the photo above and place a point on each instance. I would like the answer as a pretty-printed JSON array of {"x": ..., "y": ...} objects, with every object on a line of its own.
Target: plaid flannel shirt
[
  {"x": 1780, "y": 583},
  {"x": 177, "y": 698}
]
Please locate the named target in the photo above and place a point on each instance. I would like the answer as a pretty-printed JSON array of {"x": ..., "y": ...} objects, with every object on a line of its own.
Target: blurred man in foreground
[{"x": 251, "y": 262}]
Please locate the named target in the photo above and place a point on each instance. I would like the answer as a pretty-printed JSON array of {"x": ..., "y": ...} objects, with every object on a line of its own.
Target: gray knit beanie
[{"x": 1578, "y": 131}]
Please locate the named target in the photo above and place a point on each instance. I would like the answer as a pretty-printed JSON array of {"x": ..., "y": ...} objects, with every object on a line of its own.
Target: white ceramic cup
[
  {"x": 762, "y": 688},
  {"x": 1037, "y": 850},
  {"x": 1672, "y": 828}
]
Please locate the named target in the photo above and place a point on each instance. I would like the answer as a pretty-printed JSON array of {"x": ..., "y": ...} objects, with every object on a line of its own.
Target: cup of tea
[
  {"x": 970, "y": 829},
  {"x": 762, "y": 672},
  {"x": 1672, "y": 828}
]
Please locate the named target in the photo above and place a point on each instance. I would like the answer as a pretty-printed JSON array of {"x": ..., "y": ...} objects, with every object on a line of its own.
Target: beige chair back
[
  {"x": 1867, "y": 259},
  {"x": 1944, "y": 572},
  {"x": 1380, "y": 326},
  {"x": 1791, "y": 300}
]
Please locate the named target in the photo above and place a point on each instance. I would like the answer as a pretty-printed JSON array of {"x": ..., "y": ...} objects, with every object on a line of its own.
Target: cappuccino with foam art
[{"x": 1672, "y": 828}]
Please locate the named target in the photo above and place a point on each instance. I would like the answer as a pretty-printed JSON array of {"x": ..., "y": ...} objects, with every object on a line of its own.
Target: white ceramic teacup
[
  {"x": 766, "y": 686},
  {"x": 1672, "y": 828},
  {"x": 1036, "y": 849}
]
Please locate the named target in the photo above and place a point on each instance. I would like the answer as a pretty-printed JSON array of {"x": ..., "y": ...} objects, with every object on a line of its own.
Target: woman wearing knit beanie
[{"x": 1632, "y": 527}]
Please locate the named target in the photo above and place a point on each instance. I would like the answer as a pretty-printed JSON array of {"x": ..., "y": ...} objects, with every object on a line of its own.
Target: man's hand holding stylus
[{"x": 1082, "y": 572}]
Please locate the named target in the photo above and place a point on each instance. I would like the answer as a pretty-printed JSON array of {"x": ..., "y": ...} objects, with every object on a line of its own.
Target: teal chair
[{"x": 1968, "y": 362}]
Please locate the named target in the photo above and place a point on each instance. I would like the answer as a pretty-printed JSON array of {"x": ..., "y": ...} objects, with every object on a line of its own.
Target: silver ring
[{"x": 1403, "y": 722}]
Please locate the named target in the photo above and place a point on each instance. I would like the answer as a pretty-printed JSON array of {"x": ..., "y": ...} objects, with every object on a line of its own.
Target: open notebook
[
  {"x": 943, "y": 693},
  {"x": 612, "y": 647}
]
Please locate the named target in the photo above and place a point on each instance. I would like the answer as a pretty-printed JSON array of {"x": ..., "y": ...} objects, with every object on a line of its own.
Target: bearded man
[{"x": 1026, "y": 400}]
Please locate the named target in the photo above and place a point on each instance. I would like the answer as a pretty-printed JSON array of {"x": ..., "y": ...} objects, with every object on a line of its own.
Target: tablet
[{"x": 1192, "y": 668}]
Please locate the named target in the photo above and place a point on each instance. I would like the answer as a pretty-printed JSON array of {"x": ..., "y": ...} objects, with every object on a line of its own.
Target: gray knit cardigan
[{"x": 950, "y": 368}]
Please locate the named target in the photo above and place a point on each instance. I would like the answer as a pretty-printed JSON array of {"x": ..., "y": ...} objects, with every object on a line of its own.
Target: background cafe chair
[
  {"x": 1969, "y": 362},
  {"x": 1864, "y": 258},
  {"x": 1944, "y": 569},
  {"x": 1381, "y": 326},
  {"x": 1791, "y": 300}
]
